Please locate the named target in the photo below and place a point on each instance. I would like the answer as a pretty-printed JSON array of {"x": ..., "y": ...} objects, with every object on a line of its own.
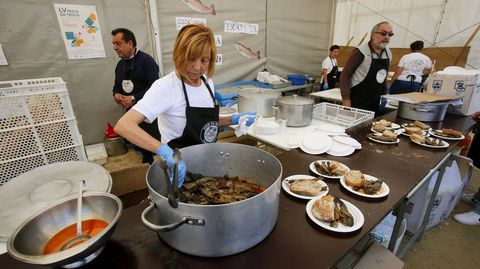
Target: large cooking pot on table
[
  {"x": 297, "y": 110},
  {"x": 257, "y": 100},
  {"x": 428, "y": 112},
  {"x": 217, "y": 230}
]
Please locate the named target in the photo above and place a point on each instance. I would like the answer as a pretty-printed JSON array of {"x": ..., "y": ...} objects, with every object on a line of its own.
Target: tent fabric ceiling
[{"x": 439, "y": 23}]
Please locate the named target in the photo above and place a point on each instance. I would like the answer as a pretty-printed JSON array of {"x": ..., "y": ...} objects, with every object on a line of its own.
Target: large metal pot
[
  {"x": 295, "y": 109},
  {"x": 217, "y": 230},
  {"x": 428, "y": 112},
  {"x": 257, "y": 100}
]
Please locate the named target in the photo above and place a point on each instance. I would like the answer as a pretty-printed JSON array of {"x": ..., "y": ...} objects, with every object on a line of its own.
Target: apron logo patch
[
  {"x": 209, "y": 132},
  {"x": 127, "y": 86},
  {"x": 381, "y": 75}
]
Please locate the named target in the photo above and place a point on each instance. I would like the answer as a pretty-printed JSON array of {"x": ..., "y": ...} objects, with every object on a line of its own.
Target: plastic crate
[
  {"x": 297, "y": 79},
  {"x": 341, "y": 115},
  {"x": 37, "y": 126}
]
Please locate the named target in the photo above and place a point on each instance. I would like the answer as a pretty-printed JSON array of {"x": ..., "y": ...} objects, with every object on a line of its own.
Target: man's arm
[
  {"x": 150, "y": 68},
  {"x": 355, "y": 59},
  {"x": 117, "y": 88}
]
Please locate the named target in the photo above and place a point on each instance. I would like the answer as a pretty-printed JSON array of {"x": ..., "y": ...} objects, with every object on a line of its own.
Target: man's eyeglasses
[{"x": 385, "y": 33}]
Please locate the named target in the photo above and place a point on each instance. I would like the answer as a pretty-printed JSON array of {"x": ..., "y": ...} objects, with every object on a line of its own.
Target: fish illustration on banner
[
  {"x": 199, "y": 7},
  {"x": 246, "y": 51}
]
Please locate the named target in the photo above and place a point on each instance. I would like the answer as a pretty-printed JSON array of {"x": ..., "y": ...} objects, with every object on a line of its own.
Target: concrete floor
[{"x": 448, "y": 245}]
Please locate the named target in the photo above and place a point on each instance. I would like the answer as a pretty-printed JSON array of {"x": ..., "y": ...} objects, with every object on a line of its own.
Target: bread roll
[
  {"x": 324, "y": 209},
  {"x": 378, "y": 127},
  {"x": 417, "y": 138},
  {"x": 413, "y": 130},
  {"x": 354, "y": 178},
  {"x": 451, "y": 132},
  {"x": 421, "y": 125},
  {"x": 337, "y": 168},
  {"x": 386, "y": 123},
  {"x": 307, "y": 187}
]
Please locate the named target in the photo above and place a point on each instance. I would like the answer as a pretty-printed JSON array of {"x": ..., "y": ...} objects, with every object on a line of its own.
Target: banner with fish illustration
[{"x": 80, "y": 31}]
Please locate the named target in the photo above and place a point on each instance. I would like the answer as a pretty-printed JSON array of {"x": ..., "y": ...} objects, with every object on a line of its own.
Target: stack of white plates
[
  {"x": 340, "y": 149},
  {"x": 315, "y": 143},
  {"x": 331, "y": 129}
]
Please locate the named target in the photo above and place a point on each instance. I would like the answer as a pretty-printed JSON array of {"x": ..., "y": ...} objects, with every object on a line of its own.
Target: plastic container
[
  {"x": 96, "y": 153},
  {"x": 341, "y": 115},
  {"x": 297, "y": 79},
  {"x": 383, "y": 232}
]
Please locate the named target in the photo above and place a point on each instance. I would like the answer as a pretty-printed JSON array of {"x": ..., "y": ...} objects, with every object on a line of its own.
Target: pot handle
[
  {"x": 168, "y": 227},
  {"x": 422, "y": 110},
  {"x": 275, "y": 107}
]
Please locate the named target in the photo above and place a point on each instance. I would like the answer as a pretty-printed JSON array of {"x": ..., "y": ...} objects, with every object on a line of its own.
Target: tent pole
[
  {"x": 156, "y": 34},
  {"x": 466, "y": 44},
  {"x": 437, "y": 31}
]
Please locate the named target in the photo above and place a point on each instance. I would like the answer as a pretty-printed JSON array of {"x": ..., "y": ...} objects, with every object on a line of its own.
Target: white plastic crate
[
  {"x": 37, "y": 126},
  {"x": 341, "y": 115}
]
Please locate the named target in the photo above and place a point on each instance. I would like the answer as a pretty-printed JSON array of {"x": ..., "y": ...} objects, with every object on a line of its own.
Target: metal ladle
[{"x": 80, "y": 236}]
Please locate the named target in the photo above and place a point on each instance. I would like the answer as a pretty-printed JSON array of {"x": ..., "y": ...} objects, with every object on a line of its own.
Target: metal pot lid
[
  {"x": 258, "y": 93},
  {"x": 34, "y": 190},
  {"x": 295, "y": 100}
]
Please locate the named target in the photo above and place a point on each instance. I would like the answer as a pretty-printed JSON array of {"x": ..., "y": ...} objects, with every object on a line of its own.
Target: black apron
[
  {"x": 332, "y": 77},
  {"x": 366, "y": 94},
  {"x": 201, "y": 123}
]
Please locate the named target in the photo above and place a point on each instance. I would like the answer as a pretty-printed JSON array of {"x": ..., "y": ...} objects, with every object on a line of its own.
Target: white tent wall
[
  {"x": 32, "y": 42},
  {"x": 439, "y": 23},
  {"x": 293, "y": 37}
]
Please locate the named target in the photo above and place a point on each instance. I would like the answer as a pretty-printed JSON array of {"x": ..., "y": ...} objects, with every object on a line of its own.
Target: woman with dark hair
[
  {"x": 330, "y": 68},
  {"x": 408, "y": 77}
]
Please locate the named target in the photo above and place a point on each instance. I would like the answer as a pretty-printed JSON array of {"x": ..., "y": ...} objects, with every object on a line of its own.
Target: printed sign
[
  {"x": 3, "y": 59},
  {"x": 219, "y": 60},
  {"x": 182, "y": 21},
  {"x": 218, "y": 40},
  {"x": 80, "y": 31},
  {"x": 241, "y": 27}
]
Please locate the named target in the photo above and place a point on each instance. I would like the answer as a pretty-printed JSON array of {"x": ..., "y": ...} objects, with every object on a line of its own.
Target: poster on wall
[
  {"x": 80, "y": 31},
  {"x": 3, "y": 59}
]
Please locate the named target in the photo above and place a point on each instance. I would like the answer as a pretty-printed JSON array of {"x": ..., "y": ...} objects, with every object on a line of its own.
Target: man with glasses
[
  {"x": 364, "y": 77},
  {"x": 135, "y": 73}
]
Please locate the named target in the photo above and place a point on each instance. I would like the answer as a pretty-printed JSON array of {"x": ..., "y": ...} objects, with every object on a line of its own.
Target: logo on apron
[
  {"x": 127, "y": 86},
  {"x": 381, "y": 75},
  {"x": 209, "y": 132}
]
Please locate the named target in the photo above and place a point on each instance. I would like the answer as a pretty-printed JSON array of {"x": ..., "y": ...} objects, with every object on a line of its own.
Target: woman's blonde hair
[{"x": 193, "y": 42}]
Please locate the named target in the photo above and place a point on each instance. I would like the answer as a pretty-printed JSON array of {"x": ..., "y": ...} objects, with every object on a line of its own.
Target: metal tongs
[{"x": 172, "y": 187}]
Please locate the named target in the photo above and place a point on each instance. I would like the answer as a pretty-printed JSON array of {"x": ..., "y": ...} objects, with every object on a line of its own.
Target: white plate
[
  {"x": 445, "y": 137},
  {"x": 340, "y": 150},
  {"x": 357, "y": 215},
  {"x": 333, "y": 129},
  {"x": 444, "y": 145},
  {"x": 293, "y": 141},
  {"x": 408, "y": 125},
  {"x": 384, "y": 190},
  {"x": 315, "y": 143},
  {"x": 393, "y": 125},
  {"x": 348, "y": 141},
  {"x": 286, "y": 186},
  {"x": 314, "y": 170},
  {"x": 383, "y": 142}
]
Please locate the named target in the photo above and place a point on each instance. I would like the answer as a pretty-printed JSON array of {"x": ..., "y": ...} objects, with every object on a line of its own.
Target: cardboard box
[
  {"x": 129, "y": 179},
  {"x": 465, "y": 85}
]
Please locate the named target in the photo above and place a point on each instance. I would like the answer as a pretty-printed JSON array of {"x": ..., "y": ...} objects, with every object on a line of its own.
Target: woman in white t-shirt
[
  {"x": 330, "y": 68},
  {"x": 182, "y": 101},
  {"x": 408, "y": 77}
]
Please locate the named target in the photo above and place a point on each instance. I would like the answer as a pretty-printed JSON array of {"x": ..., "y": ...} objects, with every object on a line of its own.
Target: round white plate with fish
[
  {"x": 357, "y": 215},
  {"x": 393, "y": 125},
  {"x": 434, "y": 133},
  {"x": 382, "y": 192},
  {"x": 403, "y": 132},
  {"x": 383, "y": 142},
  {"x": 287, "y": 181},
  {"x": 412, "y": 125},
  {"x": 314, "y": 169},
  {"x": 444, "y": 145}
]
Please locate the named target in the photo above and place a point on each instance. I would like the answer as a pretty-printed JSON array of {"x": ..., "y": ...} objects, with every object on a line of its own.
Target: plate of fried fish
[
  {"x": 304, "y": 186},
  {"x": 328, "y": 168},
  {"x": 335, "y": 214},
  {"x": 364, "y": 185}
]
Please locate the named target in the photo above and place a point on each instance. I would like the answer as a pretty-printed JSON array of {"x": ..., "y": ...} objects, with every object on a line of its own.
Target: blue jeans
[{"x": 402, "y": 86}]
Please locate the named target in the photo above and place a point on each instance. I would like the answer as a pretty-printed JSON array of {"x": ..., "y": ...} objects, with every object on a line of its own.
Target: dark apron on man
[
  {"x": 201, "y": 123},
  {"x": 332, "y": 76},
  {"x": 366, "y": 94}
]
